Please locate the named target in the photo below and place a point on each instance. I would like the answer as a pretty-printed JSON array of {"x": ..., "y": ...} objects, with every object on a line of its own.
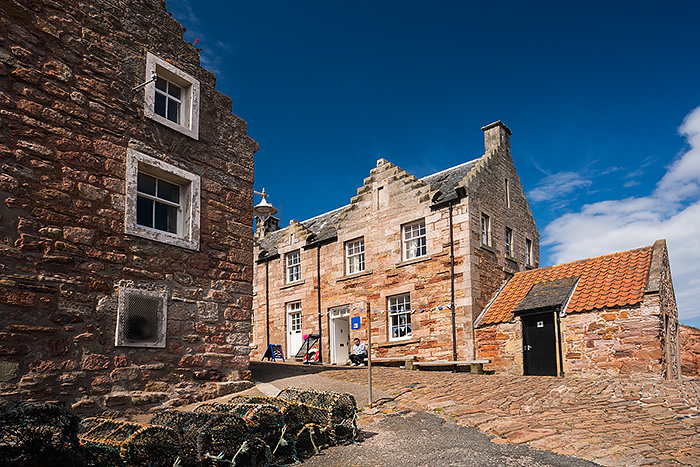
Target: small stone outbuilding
[{"x": 610, "y": 315}]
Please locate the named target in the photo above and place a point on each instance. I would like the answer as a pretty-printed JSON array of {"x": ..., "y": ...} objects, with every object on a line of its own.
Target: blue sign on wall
[{"x": 355, "y": 322}]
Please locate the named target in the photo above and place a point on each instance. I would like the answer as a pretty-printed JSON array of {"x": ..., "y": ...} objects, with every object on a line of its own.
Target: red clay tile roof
[{"x": 606, "y": 281}]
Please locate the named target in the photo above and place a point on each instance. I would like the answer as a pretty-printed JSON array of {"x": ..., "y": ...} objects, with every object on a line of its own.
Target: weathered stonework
[
  {"x": 690, "y": 350},
  {"x": 69, "y": 115},
  {"x": 389, "y": 199}
]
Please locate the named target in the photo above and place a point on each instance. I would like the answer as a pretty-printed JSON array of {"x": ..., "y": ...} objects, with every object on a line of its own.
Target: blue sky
[{"x": 599, "y": 96}]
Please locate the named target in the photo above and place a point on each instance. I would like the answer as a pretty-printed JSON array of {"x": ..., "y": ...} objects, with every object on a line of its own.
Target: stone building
[
  {"x": 393, "y": 248},
  {"x": 125, "y": 210},
  {"x": 609, "y": 315}
]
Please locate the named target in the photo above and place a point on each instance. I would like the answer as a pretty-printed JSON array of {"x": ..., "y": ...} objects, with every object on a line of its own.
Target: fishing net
[
  {"x": 335, "y": 411},
  {"x": 36, "y": 433},
  {"x": 111, "y": 442},
  {"x": 202, "y": 434}
]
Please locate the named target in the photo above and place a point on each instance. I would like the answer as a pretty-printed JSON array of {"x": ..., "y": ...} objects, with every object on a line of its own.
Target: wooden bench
[
  {"x": 408, "y": 361},
  {"x": 475, "y": 366}
]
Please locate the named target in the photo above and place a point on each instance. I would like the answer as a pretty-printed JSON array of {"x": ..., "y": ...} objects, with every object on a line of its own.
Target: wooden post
[{"x": 369, "y": 352}]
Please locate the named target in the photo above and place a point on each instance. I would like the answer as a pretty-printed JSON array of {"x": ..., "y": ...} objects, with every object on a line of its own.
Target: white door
[
  {"x": 340, "y": 335},
  {"x": 294, "y": 339}
]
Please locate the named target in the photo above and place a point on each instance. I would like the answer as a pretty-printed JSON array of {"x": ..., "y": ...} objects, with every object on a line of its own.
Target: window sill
[
  {"x": 412, "y": 261},
  {"x": 397, "y": 343},
  {"x": 530, "y": 266},
  {"x": 292, "y": 284},
  {"x": 488, "y": 248},
  {"x": 510, "y": 258},
  {"x": 354, "y": 276}
]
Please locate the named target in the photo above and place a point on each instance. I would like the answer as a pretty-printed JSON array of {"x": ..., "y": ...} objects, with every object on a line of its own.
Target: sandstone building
[
  {"x": 125, "y": 210},
  {"x": 609, "y": 315},
  {"x": 409, "y": 247}
]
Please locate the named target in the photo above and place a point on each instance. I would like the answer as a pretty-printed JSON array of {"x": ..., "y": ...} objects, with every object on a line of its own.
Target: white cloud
[
  {"x": 671, "y": 211},
  {"x": 557, "y": 185}
]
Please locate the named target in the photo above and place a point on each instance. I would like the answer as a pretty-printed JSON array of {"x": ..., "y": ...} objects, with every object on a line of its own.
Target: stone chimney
[
  {"x": 496, "y": 135},
  {"x": 263, "y": 228}
]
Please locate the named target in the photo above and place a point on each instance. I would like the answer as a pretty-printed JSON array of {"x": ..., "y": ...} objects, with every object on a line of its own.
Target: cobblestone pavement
[{"x": 610, "y": 421}]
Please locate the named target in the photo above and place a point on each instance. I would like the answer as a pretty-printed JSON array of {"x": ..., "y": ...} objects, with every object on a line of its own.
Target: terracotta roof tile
[{"x": 613, "y": 280}]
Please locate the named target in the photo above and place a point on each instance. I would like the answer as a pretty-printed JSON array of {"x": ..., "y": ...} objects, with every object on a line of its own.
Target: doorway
[
  {"x": 539, "y": 345},
  {"x": 340, "y": 335},
  {"x": 294, "y": 337}
]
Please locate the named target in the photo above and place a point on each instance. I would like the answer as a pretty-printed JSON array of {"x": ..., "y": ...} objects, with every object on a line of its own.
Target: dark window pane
[
  {"x": 168, "y": 191},
  {"x": 146, "y": 184},
  {"x": 160, "y": 104},
  {"x": 144, "y": 211},
  {"x": 174, "y": 91},
  {"x": 161, "y": 84},
  {"x": 166, "y": 218},
  {"x": 173, "y": 111},
  {"x": 139, "y": 328}
]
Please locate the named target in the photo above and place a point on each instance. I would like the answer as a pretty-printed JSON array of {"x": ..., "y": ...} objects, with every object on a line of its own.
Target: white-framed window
[
  {"x": 399, "y": 316},
  {"x": 355, "y": 256},
  {"x": 172, "y": 99},
  {"x": 509, "y": 242},
  {"x": 528, "y": 252},
  {"x": 162, "y": 201},
  {"x": 414, "y": 244},
  {"x": 293, "y": 266},
  {"x": 141, "y": 318},
  {"x": 485, "y": 229}
]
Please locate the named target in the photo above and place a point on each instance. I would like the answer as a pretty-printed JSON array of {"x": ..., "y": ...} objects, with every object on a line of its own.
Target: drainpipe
[
  {"x": 318, "y": 289},
  {"x": 452, "y": 290},
  {"x": 267, "y": 303}
]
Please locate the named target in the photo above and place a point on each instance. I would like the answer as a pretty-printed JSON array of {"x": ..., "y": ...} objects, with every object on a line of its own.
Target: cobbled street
[{"x": 610, "y": 421}]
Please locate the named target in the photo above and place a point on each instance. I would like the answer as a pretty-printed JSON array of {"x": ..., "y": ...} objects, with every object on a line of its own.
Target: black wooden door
[{"x": 539, "y": 345}]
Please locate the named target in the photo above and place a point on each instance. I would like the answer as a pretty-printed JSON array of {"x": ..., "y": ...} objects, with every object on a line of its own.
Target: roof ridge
[
  {"x": 450, "y": 168},
  {"x": 585, "y": 260}
]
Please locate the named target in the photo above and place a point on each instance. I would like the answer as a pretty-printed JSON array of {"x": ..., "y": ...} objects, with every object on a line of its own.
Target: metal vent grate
[{"x": 141, "y": 318}]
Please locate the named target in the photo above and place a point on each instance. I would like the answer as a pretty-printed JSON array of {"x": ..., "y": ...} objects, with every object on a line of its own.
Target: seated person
[{"x": 359, "y": 353}]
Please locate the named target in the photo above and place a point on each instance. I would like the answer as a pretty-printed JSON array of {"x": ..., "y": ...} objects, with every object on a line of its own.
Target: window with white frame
[
  {"x": 528, "y": 252},
  {"x": 509, "y": 242},
  {"x": 399, "y": 316},
  {"x": 172, "y": 99},
  {"x": 293, "y": 263},
  {"x": 485, "y": 229},
  {"x": 162, "y": 201},
  {"x": 354, "y": 256},
  {"x": 414, "y": 244}
]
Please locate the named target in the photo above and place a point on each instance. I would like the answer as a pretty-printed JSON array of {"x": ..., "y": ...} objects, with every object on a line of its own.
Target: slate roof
[
  {"x": 614, "y": 280},
  {"x": 547, "y": 295},
  {"x": 324, "y": 227}
]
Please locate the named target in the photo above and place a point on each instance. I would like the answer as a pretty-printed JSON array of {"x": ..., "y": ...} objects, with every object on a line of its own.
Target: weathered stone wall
[
  {"x": 689, "y": 338},
  {"x": 620, "y": 341},
  {"x": 427, "y": 279},
  {"x": 67, "y": 116}
]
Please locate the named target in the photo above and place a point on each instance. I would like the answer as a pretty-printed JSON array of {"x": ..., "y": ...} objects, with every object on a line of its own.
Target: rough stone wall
[
  {"x": 67, "y": 116},
  {"x": 669, "y": 312},
  {"x": 689, "y": 338},
  {"x": 427, "y": 280},
  {"x": 619, "y": 341}
]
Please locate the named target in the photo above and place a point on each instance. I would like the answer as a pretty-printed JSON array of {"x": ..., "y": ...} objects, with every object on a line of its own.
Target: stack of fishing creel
[
  {"x": 108, "y": 442},
  {"x": 31, "y": 432}
]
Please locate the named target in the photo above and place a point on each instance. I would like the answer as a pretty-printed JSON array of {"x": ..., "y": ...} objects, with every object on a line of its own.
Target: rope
[{"x": 284, "y": 428}]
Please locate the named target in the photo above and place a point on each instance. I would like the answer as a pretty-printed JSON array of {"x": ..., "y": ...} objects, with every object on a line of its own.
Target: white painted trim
[{"x": 190, "y": 101}]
